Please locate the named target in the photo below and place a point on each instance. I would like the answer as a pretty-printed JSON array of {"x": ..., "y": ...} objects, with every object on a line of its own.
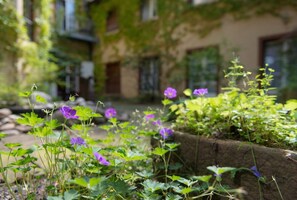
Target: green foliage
[
  {"x": 244, "y": 111},
  {"x": 70, "y": 169},
  {"x": 24, "y": 62}
]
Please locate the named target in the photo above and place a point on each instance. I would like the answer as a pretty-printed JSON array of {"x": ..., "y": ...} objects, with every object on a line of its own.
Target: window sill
[
  {"x": 150, "y": 19},
  {"x": 112, "y": 32}
]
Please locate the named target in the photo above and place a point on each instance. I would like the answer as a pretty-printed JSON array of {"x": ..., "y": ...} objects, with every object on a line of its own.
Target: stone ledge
[{"x": 198, "y": 152}]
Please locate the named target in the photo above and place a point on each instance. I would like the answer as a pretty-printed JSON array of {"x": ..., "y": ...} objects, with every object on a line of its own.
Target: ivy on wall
[
  {"x": 28, "y": 61},
  {"x": 156, "y": 36}
]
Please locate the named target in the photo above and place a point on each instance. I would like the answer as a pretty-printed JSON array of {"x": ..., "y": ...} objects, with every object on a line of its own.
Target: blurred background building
[{"x": 135, "y": 49}]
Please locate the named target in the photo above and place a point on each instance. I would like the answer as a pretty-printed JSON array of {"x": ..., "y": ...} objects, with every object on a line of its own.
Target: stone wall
[{"x": 199, "y": 152}]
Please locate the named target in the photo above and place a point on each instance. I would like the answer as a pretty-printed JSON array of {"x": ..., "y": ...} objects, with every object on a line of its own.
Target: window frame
[
  {"x": 149, "y": 6},
  {"x": 200, "y": 2},
  {"x": 29, "y": 15},
  {"x": 281, "y": 38},
  {"x": 217, "y": 80},
  {"x": 68, "y": 19},
  {"x": 155, "y": 63},
  {"x": 112, "y": 24}
]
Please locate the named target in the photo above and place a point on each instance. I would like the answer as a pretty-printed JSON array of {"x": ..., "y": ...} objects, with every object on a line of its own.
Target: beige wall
[{"x": 242, "y": 35}]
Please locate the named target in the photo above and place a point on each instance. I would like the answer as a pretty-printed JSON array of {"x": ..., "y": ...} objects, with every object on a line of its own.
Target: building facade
[
  {"x": 73, "y": 47},
  {"x": 45, "y": 43},
  {"x": 147, "y": 45}
]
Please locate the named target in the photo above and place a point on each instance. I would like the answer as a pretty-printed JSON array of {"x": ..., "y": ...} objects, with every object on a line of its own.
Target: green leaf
[
  {"x": 21, "y": 152},
  {"x": 95, "y": 181},
  {"x": 53, "y": 124},
  {"x": 12, "y": 145},
  {"x": 2, "y": 135},
  {"x": 25, "y": 94},
  {"x": 291, "y": 104},
  {"x": 30, "y": 119},
  {"x": 188, "y": 92},
  {"x": 145, "y": 174},
  {"x": 172, "y": 146},
  {"x": 153, "y": 186},
  {"x": 171, "y": 196},
  {"x": 186, "y": 190},
  {"x": 40, "y": 99},
  {"x": 159, "y": 151},
  {"x": 174, "y": 178},
  {"x": 220, "y": 170},
  {"x": 55, "y": 198},
  {"x": 186, "y": 182},
  {"x": 173, "y": 107},
  {"x": 42, "y": 132},
  {"x": 205, "y": 178},
  {"x": 71, "y": 195},
  {"x": 80, "y": 181},
  {"x": 24, "y": 161},
  {"x": 71, "y": 98},
  {"x": 85, "y": 113},
  {"x": 134, "y": 156},
  {"x": 113, "y": 120},
  {"x": 166, "y": 102}
]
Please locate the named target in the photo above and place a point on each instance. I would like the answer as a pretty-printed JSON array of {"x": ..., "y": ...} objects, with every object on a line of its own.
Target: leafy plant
[
  {"x": 245, "y": 111},
  {"x": 122, "y": 165}
]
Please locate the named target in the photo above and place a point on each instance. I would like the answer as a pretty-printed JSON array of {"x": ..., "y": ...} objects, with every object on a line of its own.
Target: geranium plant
[{"x": 67, "y": 163}]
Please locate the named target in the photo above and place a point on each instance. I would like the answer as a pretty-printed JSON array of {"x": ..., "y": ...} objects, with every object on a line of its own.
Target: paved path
[{"x": 122, "y": 108}]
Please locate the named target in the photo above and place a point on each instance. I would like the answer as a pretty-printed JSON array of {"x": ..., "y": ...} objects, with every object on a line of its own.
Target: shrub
[{"x": 245, "y": 111}]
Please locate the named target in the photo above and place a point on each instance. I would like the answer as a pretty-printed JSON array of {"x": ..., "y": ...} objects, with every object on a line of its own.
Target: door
[{"x": 113, "y": 78}]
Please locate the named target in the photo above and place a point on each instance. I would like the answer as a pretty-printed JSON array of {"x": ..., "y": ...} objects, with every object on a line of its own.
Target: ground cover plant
[
  {"x": 246, "y": 111},
  {"x": 70, "y": 164}
]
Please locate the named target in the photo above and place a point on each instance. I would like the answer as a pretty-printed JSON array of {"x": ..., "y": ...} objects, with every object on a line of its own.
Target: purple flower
[
  {"x": 77, "y": 141},
  {"x": 101, "y": 159},
  {"x": 255, "y": 171},
  {"x": 200, "y": 92},
  {"x": 170, "y": 93},
  {"x": 110, "y": 112},
  {"x": 68, "y": 112},
  {"x": 157, "y": 123},
  {"x": 165, "y": 132},
  {"x": 149, "y": 117}
]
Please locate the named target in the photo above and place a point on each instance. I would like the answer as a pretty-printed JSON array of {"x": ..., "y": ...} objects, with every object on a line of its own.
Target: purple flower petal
[
  {"x": 101, "y": 159},
  {"x": 170, "y": 93},
  {"x": 68, "y": 112},
  {"x": 200, "y": 92},
  {"x": 166, "y": 132},
  {"x": 77, "y": 141},
  {"x": 110, "y": 112},
  {"x": 255, "y": 171},
  {"x": 149, "y": 117},
  {"x": 157, "y": 123}
]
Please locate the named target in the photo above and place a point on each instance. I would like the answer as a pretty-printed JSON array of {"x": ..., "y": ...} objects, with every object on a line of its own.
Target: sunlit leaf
[
  {"x": 166, "y": 102},
  {"x": 40, "y": 99},
  {"x": 159, "y": 151},
  {"x": 188, "y": 92},
  {"x": 205, "y": 178},
  {"x": 71, "y": 195}
]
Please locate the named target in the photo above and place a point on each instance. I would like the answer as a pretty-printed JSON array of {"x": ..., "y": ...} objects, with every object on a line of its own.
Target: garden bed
[{"x": 198, "y": 152}]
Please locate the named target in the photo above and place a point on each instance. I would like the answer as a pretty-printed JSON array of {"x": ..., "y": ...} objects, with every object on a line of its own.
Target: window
[
  {"x": 28, "y": 13},
  {"x": 203, "y": 69},
  {"x": 148, "y": 10},
  {"x": 65, "y": 12},
  {"x": 281, "y": 55},
  {"x": 111, "y": 21},
  {"x": 200, "y": 2},
  {"x": 149, "y": 76}
]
